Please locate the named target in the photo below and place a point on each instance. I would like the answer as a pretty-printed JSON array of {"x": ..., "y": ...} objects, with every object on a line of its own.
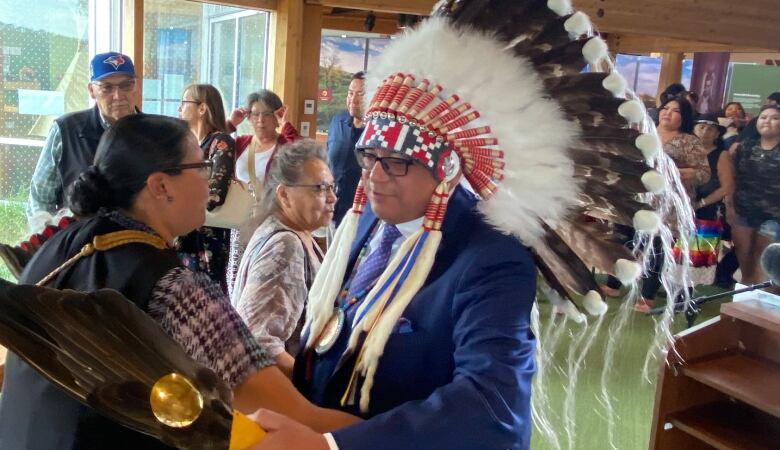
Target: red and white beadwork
[{"x": 417, "y": 121}]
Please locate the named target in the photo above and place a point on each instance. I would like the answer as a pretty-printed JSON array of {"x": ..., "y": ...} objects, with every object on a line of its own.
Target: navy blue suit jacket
[
  {"x": 342, "y": 137},
  {"x": 458, "y": 374}
]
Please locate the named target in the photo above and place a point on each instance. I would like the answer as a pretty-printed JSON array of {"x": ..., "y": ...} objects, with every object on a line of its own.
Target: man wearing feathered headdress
[{"x": 484, "y": 144}]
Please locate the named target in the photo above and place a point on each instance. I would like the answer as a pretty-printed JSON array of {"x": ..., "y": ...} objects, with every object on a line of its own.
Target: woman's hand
[
  {"x": 286, "y": 434},
  {"x": 687, "y": 175},
  {"x": 238, "y": 115},
  {"x": 281, "y": 115},
  {"x": 731, "y": 215}
]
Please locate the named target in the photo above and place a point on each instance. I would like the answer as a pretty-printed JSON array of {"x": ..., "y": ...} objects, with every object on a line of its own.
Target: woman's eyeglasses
[
  {"x": 204, "y": 167},
  {"x": 321, "y": 188},
  {"x": 396, "y": 167},
  {"x": 260, "y": 115}
]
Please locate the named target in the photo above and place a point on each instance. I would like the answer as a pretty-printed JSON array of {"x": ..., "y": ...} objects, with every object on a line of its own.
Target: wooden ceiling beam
[
  {"x": 261, "y": 5},
  {"x": 747, "y": 23},
  {"x": 417, "y": 7},
  {"x": 631, "y": 43},
  {"x": 355, "y": 23}
]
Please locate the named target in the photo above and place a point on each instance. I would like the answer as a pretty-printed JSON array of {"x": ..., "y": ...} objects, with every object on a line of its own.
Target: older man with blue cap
[{"x": 73, "y": 138}]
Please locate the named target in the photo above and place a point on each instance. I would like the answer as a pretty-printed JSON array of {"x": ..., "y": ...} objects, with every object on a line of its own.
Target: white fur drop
[
  {"x": 648, "y": 144},
  {"x": 594, "y": 304},
  {"x": 578, "y": 24},
  {"x": 615, "y": 83},
  {"x": 571, "y": 311},
  {"x": 653, "y": 181},
  {"x": 647, "y": 221},
  {"x": 594, "y": 50},
  {"x": 632, "y": 110},
  {"x": 560, "y": 7},
  {"x": 627, "y": 271}
]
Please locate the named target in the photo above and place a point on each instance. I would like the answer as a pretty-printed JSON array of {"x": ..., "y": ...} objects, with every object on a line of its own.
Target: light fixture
[{"x": 368, "y": 25}]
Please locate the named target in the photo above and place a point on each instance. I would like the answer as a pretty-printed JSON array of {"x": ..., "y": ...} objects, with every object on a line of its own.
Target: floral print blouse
[
  {"x": 207, "y": 249},
  {"x": 687, "y": 153}
]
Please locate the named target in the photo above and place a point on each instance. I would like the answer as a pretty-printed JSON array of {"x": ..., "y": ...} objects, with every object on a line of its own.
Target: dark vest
[
  {"x": 80, "y": 132},
  {"x": 35, "y": 414}
]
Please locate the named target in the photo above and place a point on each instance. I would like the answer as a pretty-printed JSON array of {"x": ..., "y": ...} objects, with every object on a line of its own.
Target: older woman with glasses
[
  {"x": 266, "y": 113},
  {"x": 207, "y": 248},
  {"x": 281, "y": 259}
]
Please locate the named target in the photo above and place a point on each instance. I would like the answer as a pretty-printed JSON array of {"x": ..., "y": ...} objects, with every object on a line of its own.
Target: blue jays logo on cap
[{"x": 115, "y": 60}]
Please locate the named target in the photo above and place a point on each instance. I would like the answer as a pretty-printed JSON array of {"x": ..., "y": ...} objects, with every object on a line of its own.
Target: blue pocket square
[{"x": 403, "y": 325}]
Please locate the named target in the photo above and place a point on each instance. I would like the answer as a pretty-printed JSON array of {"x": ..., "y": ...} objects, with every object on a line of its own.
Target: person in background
[
  {"x": 708, "y": 205},
  {"x": 675, "y": 128},
  {"x": 281, "y": 259},
  {"x": 344, "y": 131},
  {"x": 73, "y": 138},
  {"x": 207, "y": 248},
  {"x": 754, "y": 210},
  {"x": 736, "y": 121},
  {"x": 750, "y": 132},
  {"x": 266, "y": 113},
  {"x": 708, "y": 202}
]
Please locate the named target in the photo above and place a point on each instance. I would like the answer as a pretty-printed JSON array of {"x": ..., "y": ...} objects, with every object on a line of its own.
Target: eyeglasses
[
  {"x": 321, "y": 188},
  {"x": 190, "y": 101},
  {"x": 258, "y": 115},
  {"x": 396, "y": 167},
  {"x": 108, "y": 88},
  {"x": 204, "y": 166}
]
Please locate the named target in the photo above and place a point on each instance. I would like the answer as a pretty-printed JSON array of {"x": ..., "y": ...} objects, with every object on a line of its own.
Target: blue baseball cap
[{"x": 111, "y": 63}]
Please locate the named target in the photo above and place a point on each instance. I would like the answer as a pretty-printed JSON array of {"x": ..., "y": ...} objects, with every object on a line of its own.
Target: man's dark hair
[
  {"x": 359, "y": 75},
  {"x": 774, "y": 96}
]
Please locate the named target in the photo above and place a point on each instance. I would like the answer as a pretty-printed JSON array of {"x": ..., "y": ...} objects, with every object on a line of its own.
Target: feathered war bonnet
[{"x": 495, "y": 90}]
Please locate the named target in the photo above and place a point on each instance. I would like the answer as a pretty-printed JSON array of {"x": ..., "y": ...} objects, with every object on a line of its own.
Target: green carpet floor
[{"x": 632, "y": 396}]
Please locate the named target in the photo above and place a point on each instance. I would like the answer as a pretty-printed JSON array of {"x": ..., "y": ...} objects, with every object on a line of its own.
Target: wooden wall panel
[{"x": 285, "y": 73}]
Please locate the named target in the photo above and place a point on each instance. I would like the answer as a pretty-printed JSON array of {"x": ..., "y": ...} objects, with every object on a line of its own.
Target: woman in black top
[
  {"x": 708, "y": 203},
  {"x": 149, "y": 176},
  {"x": 754, "y": 212}
]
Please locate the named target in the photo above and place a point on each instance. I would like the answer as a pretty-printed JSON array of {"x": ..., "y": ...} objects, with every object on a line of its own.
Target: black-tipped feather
[
  {"x": 488, "y": 15},
  {"x": 594, "y": 111},
  {"x": 617, "y": 164},
  {"x": 608, "y": 206},
  {"x": 537, "y": 41},
  {"x": 56, "y": 333},
  {"x": 566, "y": 60},
  {"x": 551, "y": 279},
  {"x": 596, "y": 244},
  {"x": 611, "y": 180},
  {"x": 624, "y": 148},
  {"x": 581, "y": 84},
  {"x": 564, "y": 265}
]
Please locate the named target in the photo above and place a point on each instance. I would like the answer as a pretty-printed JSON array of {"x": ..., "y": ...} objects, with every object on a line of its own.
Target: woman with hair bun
[{"x": 149, "y": 182}]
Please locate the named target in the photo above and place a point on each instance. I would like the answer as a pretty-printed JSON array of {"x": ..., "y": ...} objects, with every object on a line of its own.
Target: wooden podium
[{"x": 720, "y": 386}]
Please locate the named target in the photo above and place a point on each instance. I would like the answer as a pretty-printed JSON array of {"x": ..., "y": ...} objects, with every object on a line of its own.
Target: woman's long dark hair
[
  {"x": 686, "y": 113},
  {"x": 129, "y": 151}
]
